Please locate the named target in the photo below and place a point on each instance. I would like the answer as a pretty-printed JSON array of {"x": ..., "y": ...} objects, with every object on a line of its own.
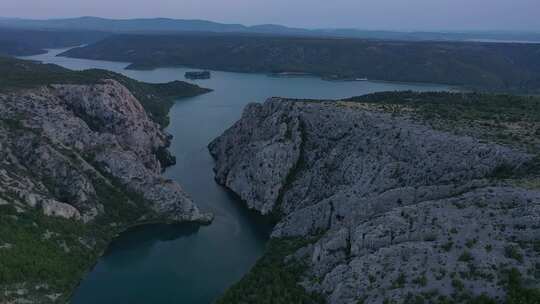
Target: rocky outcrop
[
  {"x": 401, "y": 209},
  {"x": 60, "y": 143}
]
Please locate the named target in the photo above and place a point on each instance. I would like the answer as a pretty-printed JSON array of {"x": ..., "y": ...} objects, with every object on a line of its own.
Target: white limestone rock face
[
  {"x": 57, "y": 142},
  {"x": 54, "y": 208},
  {"x": 118, "y": 113},
  {"x": 397, "y": 203},
  {"x": 273, "y": 146}
]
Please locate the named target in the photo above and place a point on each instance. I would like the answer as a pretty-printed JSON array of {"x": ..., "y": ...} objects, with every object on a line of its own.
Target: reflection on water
[
  {"x": 137, "y": 242},
  {"x": 182, "y": 263},
  {"x": 148, "y": 235}
]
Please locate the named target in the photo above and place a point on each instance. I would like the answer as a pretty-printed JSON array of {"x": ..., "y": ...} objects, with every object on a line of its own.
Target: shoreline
[
  {"x": 119, "y": 233},
  {"x": 133, "y": 67}
]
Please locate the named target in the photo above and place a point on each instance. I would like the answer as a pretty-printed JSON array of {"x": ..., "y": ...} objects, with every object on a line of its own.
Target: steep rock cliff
[
  {"x": 66, "y": 130},
  {"x": 399, "y": 209}
]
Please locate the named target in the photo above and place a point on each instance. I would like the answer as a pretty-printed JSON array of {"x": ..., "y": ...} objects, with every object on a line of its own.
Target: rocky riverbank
[
  {"x": 396, "y": 210},
  {"x": 79, "y": 163}
]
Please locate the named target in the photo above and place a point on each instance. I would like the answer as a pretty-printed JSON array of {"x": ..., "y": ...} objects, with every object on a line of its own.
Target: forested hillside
[{"x": 485, "y": 66}]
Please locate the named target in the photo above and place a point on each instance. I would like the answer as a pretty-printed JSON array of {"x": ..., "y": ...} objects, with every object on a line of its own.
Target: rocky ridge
[
  {"x": 399, "y": 210},
  {"x": 78, "y": 163},
  {"x": 69, "y": 129}
]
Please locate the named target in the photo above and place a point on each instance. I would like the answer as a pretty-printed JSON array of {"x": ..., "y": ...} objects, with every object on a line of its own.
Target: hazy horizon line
[{"x": 411, "y": 30}]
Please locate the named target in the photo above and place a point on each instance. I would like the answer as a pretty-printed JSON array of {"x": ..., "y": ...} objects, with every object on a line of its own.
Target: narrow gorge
[{"x": 395, "y": 197}]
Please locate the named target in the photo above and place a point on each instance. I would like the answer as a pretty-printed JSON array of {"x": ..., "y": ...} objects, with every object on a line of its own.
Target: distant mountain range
[{"x": 160, "y": 25}]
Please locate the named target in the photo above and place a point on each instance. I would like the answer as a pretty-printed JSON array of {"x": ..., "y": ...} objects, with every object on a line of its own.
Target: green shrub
[
  {"x": 465, "y": 257},
  {"x": 400, "y": 281},
  {"x": 447, "y": 246},
  {"x": 517, "y": 294},
  {"x": 421, "y": 280},
  {"x": 513, "y": 252},
  {"x": 458, "y": 285}
]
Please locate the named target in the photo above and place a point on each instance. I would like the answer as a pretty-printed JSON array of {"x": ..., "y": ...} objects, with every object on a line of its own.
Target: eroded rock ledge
[{"x": 400, "y": 208}]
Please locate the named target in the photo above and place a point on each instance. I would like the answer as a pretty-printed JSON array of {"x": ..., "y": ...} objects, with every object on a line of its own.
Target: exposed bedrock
[
  {"x": 400, "y": 207},
  {"x": 59, "y": 143}
]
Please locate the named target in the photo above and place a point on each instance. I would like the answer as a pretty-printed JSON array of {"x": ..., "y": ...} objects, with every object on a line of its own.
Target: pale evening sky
[{"x": 363, "y": 14}]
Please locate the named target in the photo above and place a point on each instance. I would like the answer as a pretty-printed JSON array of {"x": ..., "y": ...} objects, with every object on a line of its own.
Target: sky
[{"x": 361, "y": 14}]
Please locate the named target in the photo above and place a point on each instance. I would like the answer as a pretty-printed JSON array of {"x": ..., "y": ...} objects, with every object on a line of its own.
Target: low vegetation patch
[
  {"x": 273, "y": 279},
  {"x": 46, "y": 255},
  {"x": 502, "y": 118}
]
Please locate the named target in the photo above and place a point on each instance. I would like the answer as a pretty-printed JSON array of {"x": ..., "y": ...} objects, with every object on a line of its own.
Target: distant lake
[{"x": 188, "y": 264}]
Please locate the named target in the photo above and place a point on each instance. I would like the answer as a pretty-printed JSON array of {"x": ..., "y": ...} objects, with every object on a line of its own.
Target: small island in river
[{"x": 197, "y": 75}]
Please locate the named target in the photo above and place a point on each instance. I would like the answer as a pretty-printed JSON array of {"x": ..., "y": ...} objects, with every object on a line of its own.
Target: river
[{"x": 188, "y": 264}]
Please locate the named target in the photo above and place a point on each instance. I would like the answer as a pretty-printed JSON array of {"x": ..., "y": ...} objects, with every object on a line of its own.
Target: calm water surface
[{"x": 185, "y": 263}]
